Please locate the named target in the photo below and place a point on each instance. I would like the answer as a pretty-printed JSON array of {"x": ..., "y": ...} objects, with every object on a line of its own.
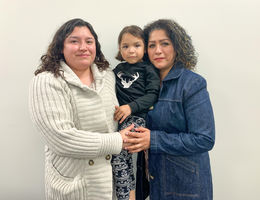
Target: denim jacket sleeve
[{"x": 199, "y": 135}]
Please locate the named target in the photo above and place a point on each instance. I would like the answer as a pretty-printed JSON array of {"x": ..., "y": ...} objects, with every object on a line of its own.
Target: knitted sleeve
[{"x": 51, "y": 112}]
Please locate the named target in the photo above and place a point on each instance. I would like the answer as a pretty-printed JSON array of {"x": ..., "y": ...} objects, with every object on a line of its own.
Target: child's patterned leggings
[{"x": 122, "y": 164}]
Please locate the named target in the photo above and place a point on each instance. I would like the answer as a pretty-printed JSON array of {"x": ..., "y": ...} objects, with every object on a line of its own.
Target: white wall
[{"x": 226, "y": 34}]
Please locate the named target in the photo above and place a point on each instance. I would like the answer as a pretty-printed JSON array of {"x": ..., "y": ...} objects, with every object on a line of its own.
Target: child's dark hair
[{"x": 133, "y": 30}]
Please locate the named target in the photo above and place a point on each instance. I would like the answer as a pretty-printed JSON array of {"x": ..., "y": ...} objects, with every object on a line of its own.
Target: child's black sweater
[{"x": 137, "y": 85}]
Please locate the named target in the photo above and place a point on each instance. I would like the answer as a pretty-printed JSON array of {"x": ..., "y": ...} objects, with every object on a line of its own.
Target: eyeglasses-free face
[
  {"x": 131, "y": 48},
  {"x": 161, "y": 51},
  {"x": 79, "y": 49}
]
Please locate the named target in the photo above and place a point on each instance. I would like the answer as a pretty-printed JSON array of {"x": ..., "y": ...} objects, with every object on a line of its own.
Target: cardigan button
[
  {"x": 91, "y": 162},
  {"x": 108, "y": 157}
]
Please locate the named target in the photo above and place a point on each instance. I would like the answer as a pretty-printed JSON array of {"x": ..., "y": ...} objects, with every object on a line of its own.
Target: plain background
[{"x": 226, "y": 35}]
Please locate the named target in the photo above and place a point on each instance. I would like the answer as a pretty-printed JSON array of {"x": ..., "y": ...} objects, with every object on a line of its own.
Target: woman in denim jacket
[{"x": 180, "y": 128}]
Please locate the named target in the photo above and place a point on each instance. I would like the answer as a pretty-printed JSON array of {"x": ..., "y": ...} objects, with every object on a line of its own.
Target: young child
[{"x": 137, "y": 85}]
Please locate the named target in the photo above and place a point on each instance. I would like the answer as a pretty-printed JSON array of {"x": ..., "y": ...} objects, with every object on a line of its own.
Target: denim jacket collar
[{"x": 175, "y": 71}]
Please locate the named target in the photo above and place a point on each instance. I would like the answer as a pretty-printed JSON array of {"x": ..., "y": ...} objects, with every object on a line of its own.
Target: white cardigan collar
[{"x": 73, "y": 79}]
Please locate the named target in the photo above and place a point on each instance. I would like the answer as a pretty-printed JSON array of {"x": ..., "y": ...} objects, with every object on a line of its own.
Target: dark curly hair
[
  {"x": 133, "y": 30},
  {"x": 182, "y": 43},
  {"x": 51, "y": 60}
]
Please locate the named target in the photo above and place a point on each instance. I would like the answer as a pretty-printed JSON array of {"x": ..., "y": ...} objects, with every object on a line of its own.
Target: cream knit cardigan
[{"x": 80, "y": 133}]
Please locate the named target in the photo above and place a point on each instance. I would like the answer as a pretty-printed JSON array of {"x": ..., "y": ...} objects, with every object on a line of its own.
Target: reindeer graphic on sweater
[{"x": 127, "y": 82}]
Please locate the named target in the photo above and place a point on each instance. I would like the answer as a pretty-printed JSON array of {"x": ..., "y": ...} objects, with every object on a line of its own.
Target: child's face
[{"x": 131, "y": 48}]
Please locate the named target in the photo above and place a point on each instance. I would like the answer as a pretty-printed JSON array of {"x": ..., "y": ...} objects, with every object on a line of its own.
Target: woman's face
[
  {"x": 79, "y": 49},
  {"x": 161, "y": 51}
]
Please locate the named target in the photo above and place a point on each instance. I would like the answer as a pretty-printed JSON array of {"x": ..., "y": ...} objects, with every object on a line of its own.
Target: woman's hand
[
  {"x": 139, "y": 140},
  {"x": 124, "y": 135},
  {"x": 122, "y": 113}
]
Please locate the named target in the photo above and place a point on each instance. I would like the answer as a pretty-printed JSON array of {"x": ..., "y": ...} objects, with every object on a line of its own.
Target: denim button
[{"x": 151, "y": 177}]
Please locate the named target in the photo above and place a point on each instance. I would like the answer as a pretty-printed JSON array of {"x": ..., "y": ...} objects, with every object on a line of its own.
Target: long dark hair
[
  {"x": 51, "y": 60},
  {"x": 182, "y": 43}
]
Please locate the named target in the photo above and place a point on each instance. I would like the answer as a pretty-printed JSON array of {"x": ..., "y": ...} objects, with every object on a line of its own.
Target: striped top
[{"x": 80, "y": 134}]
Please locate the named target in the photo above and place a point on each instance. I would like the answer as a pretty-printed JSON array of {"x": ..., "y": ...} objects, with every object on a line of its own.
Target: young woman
[{"x": 72, "y": 102}]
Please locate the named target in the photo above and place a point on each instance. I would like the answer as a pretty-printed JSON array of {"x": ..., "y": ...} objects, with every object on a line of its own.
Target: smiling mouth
[{"x": 83, "y": 55}]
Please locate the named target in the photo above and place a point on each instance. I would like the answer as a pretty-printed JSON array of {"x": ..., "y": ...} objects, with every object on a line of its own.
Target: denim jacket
[{"x": 182, "y": 132}]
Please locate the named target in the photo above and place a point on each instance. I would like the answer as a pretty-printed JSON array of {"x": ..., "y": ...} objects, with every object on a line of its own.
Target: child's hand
[{"x": 122, "y": 113}]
